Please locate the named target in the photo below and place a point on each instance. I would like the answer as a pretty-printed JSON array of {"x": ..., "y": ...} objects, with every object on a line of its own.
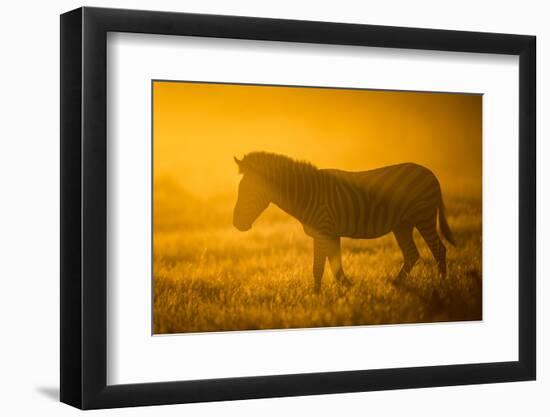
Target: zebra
[{"x": 332, "y": 204}]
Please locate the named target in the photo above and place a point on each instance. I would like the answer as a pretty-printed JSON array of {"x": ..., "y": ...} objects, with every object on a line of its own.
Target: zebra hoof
[
  {"x": 347, "y": 283},
  {"x": 399, "y": 278}
]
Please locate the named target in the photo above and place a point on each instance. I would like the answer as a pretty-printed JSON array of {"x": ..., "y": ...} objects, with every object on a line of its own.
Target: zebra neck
[{"x": 295, "y": 193}]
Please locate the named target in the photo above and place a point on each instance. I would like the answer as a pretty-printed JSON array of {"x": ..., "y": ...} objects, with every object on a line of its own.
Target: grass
[{"x": 214, "y": 278}]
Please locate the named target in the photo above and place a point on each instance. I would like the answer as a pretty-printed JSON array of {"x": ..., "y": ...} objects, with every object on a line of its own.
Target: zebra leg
[
  {"x": 319, "y": 260},
  {"x": 428, "y": 230},
  {"x": 335, "y": 260},
  {"x": 404, "y": 236}
]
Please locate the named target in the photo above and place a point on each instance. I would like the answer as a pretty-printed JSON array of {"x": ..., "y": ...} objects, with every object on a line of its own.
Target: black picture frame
[{"x": 84, "y": 207}]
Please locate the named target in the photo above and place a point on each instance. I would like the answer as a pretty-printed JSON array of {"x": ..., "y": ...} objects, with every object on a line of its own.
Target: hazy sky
[{"x": 198, "y": 128}]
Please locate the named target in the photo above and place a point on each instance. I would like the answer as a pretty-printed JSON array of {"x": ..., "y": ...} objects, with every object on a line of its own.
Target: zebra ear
[{"x": 239, "y": 164}]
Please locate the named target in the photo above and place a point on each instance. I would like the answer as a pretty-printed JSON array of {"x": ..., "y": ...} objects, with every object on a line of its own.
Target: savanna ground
[{"x": 210, "y": 277}]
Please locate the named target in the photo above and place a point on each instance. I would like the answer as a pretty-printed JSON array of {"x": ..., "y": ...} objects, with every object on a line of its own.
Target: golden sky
[{"x": 199, "y": 127}]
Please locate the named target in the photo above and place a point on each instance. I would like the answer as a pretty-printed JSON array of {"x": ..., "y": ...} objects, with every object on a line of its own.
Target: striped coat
[{"x": 332, "y": 204}]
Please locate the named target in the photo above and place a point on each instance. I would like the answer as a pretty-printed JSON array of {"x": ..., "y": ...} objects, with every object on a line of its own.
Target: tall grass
[{"x": 210, "y": 277}]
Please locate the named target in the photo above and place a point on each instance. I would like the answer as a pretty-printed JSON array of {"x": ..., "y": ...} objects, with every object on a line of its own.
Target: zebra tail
[{"x": 443, "y": 225}]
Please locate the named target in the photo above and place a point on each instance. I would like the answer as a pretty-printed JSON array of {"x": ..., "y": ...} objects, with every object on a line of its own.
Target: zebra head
[{"x": 253, "y": 197}]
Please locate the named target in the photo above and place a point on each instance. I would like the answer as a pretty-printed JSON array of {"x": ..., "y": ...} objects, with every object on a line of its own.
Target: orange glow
[
  {"x": 208, "y": 276},
  {"x": 198, "y": 128}
]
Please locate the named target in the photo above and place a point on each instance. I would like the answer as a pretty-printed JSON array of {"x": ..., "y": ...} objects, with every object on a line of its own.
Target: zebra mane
[{"x": 275, "y": 167}]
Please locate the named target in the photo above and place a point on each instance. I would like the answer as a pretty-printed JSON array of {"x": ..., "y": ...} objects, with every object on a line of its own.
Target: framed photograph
[{"x": 257, "y": 208}]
